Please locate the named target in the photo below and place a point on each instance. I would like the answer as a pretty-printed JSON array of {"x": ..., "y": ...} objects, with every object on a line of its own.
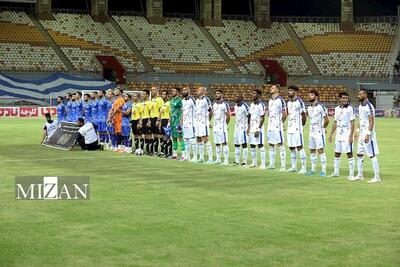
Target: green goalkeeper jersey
[{"x": 175, "y": 115}]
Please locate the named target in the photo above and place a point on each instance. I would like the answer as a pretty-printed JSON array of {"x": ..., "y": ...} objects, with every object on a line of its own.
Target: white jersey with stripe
[
  {"x": 317, "y": 113},
  {"x": 241, "y": 115},
  {"x": 364, "y": 111},
  {"x": 256, "y": 111},
  {"x": 275, "y": 108},
  {"x": 344, "y": 115},
  {"x": 202, "y": 111},
  {"x": 220, "y": 108},
  {"x": 188, "y": 108},
  {"x": 295, "y": 109}
]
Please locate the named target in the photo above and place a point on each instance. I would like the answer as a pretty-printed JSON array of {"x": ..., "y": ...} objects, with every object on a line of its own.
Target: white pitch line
[{"x": 71, "y": 158}]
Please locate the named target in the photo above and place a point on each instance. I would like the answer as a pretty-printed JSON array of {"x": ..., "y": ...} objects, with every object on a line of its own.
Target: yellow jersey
[
  {"x": 157, "y": 103},
  {"x": 147, "y": 105},
  {"x": 137, "y": 109},
  {"x": 165, "y": 109}
]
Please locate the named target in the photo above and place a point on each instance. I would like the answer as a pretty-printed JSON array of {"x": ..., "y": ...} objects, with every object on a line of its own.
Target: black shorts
[
  {"x": 135, "y": 130},
  {"x": 145, "y": 128},
  {"x": 153, "y": 125},
  {"x": 164, "y": 123}
]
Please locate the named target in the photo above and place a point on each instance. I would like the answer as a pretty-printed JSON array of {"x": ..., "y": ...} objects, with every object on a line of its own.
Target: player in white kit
[
  {"x": 343, "y": 125},
  {"x": 187, "y": 122},
  {"x": 296, "y": 120},
  {"x": 240, "y": 137},
  {"x": 203, "y": 115},
  {"x": 220, "y": 127},
  {"x": 255, "y": 129},
  {"x": 318, "y": 122},
  {"x": 276, "y": 117},
  {"x": 367, "y": 143}
]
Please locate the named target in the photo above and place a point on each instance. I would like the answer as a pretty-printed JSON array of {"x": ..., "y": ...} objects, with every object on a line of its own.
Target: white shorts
[
  {"x": 202, "y": 130},
  {"x": 188, "y": 132},
  {"x": 220, "y": 138},
  {"x": 370, "y": 148},
  {"x": 240, "y": 137},
  {"x": 343, "y": 147},
  {"x": 275, "y": 137},
  {"x": 295, "y": 139},
  {"x": 256, "y": 140},
  {"x": 316, "y": 141}
]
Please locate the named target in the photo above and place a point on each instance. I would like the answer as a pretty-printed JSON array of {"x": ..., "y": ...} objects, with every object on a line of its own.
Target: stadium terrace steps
[
  {"x": 131, "y": 45},
  {"x": 394, "y": 51},
  {"x": 52, "y": 44},
  {"x": 218, "y": 48},
  {"x": 176, "y": 46},
  {"x": 304, "y": 53},
  {"x": 363, "y": 52},
  {"x": 22, "y": 46},
  {"x": 81, "y": 38},
  {"x": 246, "y": 44}
]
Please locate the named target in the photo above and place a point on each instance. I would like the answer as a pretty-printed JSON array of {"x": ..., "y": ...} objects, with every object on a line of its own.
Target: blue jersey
[
  {"x": 126, "y": 119},
  {"x": 61, "y": 112},
  {"x": 87, "y": 111},
  {"x": 95, "y": 110},
  {"x": 68, "y": 110},
  {"x": 102, "y": 109},
  {"x": 79, "y": 109},
  {"x": 73, "y": 116}
]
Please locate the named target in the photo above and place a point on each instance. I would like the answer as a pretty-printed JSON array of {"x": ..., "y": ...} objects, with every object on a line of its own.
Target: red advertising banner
[{"x": 24, "y": 112}]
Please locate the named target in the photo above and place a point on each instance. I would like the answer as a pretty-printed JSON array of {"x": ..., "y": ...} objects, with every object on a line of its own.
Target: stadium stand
[
  {"x": 81, "y": 38},
  {"x": 176, "y": 46},
  {"x": 22, "y": 47},
  {"x": 365, "y": 52},
  {"x": 245, "y": 43}
]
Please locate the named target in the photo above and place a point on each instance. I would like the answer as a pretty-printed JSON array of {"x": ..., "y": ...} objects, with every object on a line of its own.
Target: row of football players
[
  {"x": 190, "y": 120},
  {"x": 249, "y": 130}
]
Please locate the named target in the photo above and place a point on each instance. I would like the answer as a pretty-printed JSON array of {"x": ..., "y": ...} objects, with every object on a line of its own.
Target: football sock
[
  {"x": 336, "y": 165},
  {"x": 272, "y": 156},
  {"x": 245, "y": 153},
  {"x": 360, "y": 161},
  {"x": 313, "y": 159},
  {"x": 155, "y": 144},
  {"x": 263, "y": 156},
  {"x": 226, "y": 153},
  {"x": 209, "y": 151},
  {"x": 303, "y": 158},
  {"x": 293, "y": 158},
  {"x": 375, "y": 166},
  {"x": 218, "y": 153},
  {"x": 237, "y": 154},
  {"x": 194, "y": 146},
  {"x": 351, "y": 167},
  {"x": 282, "y": 152},
  {"x": 201, "y": 150},
  {"x": 322, "y": 159},
  {"x": 254, "y": 156}
]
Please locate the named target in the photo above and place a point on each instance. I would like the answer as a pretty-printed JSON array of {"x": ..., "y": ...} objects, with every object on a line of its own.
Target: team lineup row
[{"x": 158, "y": 126}]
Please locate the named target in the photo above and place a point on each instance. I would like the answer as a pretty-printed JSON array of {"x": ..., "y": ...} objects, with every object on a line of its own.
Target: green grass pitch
[{"x": 156, "y": 212}]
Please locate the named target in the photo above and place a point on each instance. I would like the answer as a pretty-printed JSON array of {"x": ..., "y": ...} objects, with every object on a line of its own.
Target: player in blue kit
[
  {"x": 61, "y": 109},
  {"x": 78, "y": 105},
  {"x": 68, "y": 107},
  {"x": 73, "y": 117},
  {"x": 95, "y": 109},
  {"x": 87, "y": 108},
  {"x": 126, "y": 124},
  {"x": 102, "y": 113}
]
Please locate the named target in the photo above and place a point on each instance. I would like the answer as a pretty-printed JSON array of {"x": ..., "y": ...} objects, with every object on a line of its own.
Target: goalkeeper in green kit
[{"x": 176, "y": 128}]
